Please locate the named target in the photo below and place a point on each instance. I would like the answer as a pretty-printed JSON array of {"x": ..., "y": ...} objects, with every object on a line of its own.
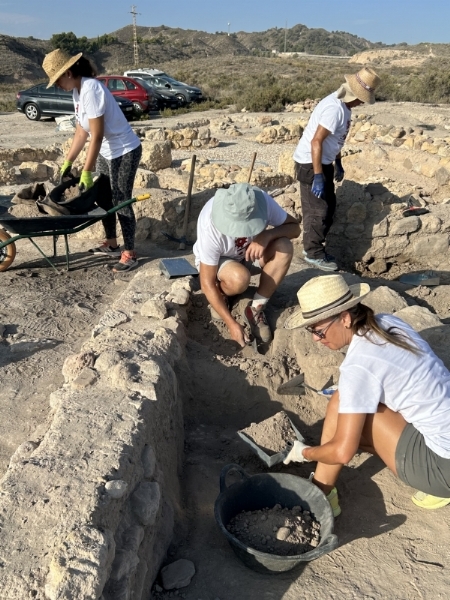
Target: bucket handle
[
  {"x": 331, "y": 543},
  {"x": 226, "y": 470}
]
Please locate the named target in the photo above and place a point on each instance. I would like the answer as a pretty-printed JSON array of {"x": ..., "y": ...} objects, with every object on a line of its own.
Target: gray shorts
[
  {"x": 253, "y": 267},
  {"x": 420, "y": 467}
]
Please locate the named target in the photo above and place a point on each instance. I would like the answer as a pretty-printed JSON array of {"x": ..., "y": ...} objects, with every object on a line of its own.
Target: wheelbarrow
[{"x": 35, "y": 227}]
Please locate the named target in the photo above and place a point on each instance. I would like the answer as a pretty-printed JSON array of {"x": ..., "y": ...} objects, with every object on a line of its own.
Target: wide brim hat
[
  {"x": 57, "y": 62},
  {"x": 239, "y": 211},
  {"x": 363, "y": 84},
  {"x": 323, "y": 297}
]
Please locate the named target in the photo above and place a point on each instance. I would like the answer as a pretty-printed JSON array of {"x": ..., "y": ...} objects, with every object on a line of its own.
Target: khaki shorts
[{"x": 420, "y": 467}]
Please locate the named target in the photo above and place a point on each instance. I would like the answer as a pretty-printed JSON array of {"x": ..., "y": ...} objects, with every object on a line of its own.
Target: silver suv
[{"x": 184, "y": 92}]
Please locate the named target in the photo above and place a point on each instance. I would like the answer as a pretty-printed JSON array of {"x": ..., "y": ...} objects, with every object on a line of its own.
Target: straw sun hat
[
  {"x": 323, "y": 297},
  {"x": 56, "y": 63},
  {"x": 363, "y": 84}
]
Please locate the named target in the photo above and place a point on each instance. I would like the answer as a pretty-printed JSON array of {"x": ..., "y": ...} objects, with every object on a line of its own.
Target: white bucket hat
[
  {"x": 240, "y": 210},
  {"x": 363, "y": 84},
  {"x": 323, "y": 297},
  {"x": 56, "y": 63}
]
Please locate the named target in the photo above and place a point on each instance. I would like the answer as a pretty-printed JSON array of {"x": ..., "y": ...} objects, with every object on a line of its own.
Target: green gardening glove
[
  {"x": 86, "y": 180},
  {"x": 65, "y": 170}
]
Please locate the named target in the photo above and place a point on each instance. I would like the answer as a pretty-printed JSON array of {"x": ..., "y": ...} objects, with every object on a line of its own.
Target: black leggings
[{"x": 121, "y": 172}]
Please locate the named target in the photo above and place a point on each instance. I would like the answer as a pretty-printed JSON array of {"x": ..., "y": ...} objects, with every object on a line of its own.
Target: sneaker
[
  {"x": 333, "y": 499},
  {"x": 322, "y": 263},
  {"x": 214, "y": 314},
  {"x": 328, "y": 257},
  {"x": 126, "y": 263},
  {"x": 105, "y": 250},
  {"x": 257, "y": 322},
  {"x": 428, "y": 501}
]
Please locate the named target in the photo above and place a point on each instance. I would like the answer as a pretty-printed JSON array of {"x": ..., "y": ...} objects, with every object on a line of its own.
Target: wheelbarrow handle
[{"x": 142, "y": 197}]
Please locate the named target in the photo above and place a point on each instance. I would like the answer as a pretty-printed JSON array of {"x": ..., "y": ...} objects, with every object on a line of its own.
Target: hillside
[{"x": 22, "y": 57}]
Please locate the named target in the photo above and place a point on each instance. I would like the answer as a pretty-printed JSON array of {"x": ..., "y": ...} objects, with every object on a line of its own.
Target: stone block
[
  {"x": 145, "y": 502},
  {"x": 442, "y": 176},
  {"x": 178, "y": 574},
  {"x": 154, "y": 308},
  {"x": 156, "y": 155},
  {"x": 405, "y": 226},
  {"x": 430, "y": 223},
  {"x": 80, "y": 566},
  {"x": 357, "y": 213},
  {"x": 430, "y": 246},
  {"x": 385, "y": 300},
  {"x": 75, "y": 363}
]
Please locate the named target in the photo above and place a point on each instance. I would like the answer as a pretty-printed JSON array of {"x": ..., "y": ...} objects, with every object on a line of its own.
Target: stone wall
[
  {"x": 186, "y": 138},
  {"x": 88, "y": 512}
]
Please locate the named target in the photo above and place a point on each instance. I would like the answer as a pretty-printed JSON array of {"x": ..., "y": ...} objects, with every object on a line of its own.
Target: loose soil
[
  {"x": 272, "y": 435},
  {"x": 277, "y": 530}
]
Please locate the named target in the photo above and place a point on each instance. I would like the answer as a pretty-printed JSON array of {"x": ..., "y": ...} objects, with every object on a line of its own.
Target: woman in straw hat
[
  {"x": 393, "y": 398},
  {"x": 320, "y": 147},
  {"x": 114, "y": 148}
]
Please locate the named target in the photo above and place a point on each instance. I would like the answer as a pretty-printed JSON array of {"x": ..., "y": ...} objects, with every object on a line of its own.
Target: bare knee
[
  {"x": 234, "y": 280},
  {"x": 280, "y": 249}
]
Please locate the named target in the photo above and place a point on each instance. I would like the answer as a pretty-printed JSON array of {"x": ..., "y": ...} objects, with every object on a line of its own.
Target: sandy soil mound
[{"x": 399, "y": 58}]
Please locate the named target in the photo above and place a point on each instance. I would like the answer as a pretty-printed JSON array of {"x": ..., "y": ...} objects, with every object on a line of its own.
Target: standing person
[
  {"x": 319, "y": 146},
  {"x": 114, "y": 148},
  {"x": 393, "y": 397},
  {"x": 232, "y": 236}
]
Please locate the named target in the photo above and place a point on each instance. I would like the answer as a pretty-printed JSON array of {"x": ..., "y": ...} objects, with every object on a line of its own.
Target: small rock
[
  {"x": 116, "y": 488},
  {"x": 154, "y": 308},
  {"x": 283, "y": 533},
  {"x": 178, "y": 574},
  {"x": 86, "y": 378},
  {"x": 158, "y": 588}
]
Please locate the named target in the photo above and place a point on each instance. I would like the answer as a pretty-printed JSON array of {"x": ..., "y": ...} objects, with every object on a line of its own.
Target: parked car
[
  {"x": 184, "y": 92},
  {"x": 164, "y": 98},
  {"x": 142, "y": 98},
  {"x": 40, "y": 101}
]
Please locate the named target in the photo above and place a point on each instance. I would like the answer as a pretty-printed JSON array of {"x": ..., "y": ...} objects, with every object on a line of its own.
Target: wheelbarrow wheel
[{"x": 7, "y": 253}]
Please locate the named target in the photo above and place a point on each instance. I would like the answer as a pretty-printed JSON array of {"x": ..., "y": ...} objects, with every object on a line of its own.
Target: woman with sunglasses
[{"x": 393, "y": 397}]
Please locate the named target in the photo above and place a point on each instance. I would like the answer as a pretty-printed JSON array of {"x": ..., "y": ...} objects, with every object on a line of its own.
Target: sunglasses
[{"x": 321, "y": 333}]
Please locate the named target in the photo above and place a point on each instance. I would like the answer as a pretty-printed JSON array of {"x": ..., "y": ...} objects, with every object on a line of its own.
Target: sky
[{"x": 387, "y": 21}]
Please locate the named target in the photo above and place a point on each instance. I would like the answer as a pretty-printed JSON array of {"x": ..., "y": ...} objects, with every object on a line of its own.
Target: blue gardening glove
[
  {"x": 338, "y": 170},
  {"x": 296, "y": 453},
  {"x": 318, "y": 186},
  {"x": 65, "y": 170},
  {"x": 86, "y": 180}
]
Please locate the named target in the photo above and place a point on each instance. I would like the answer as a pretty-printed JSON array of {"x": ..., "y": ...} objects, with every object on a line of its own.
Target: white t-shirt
[
  {"x": 211, "y": 244},
  {"x": 416, "y": 386},
  {"x": 332, "y": 114},
  {"x": 95, "y": 100}
]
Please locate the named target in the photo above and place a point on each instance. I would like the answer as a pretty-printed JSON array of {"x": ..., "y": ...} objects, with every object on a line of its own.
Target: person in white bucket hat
[
  {"x": 320, "y": 147},
  {"x": 241, "y": 227},
  {"x": 393, "y": 396}
]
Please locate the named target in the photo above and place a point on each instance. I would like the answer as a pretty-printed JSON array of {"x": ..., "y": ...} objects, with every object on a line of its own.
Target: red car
[{"x": 142, "y": 98}]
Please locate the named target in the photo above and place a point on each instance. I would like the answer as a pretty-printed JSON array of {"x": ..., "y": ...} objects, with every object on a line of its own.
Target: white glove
[{"x": 296, "y": 453}]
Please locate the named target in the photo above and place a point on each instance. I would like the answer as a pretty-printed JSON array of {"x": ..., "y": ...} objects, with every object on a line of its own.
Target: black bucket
[{"x": 265, "y": 491}]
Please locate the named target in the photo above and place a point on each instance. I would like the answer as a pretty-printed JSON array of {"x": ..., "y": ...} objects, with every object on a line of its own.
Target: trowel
[{"x": 297, "y": 386}]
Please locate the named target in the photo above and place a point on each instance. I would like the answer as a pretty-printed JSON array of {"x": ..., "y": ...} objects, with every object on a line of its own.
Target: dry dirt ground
[{"x": 388, "y": 548}]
